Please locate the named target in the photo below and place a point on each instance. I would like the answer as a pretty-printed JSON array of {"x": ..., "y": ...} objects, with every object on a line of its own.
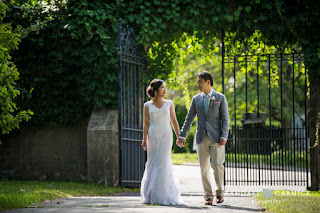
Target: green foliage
[
  {"x": 253, "y": 70},
  {"x": 70, "y": 63},
  {"x": 279, "y": 25},
  {"x": 10, "y": 117}
]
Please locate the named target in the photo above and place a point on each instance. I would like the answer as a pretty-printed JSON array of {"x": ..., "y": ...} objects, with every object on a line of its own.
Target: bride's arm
[
  {"x": 146, "y": 123},
  {"x": 174, "y": 121}
]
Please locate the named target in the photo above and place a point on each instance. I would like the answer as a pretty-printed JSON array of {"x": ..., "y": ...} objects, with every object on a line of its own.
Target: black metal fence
[
  {"x": 267, "y": 156},
  {"x": 131, "y": 99},
  {"x": 263, "y": 91}
]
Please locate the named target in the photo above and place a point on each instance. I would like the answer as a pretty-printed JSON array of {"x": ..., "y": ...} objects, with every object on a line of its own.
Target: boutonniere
[{"x": 212, "y": 100}]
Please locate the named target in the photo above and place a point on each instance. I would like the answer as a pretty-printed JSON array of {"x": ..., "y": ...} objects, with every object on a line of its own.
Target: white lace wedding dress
[{"x": 159, "y": 184}]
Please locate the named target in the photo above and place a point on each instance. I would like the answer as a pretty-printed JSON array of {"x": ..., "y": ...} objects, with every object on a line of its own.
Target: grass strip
[
  {"x": 290, "y": 201},
  {"x": 20, "y": 194},
  {"x": 180, "y": 158}
]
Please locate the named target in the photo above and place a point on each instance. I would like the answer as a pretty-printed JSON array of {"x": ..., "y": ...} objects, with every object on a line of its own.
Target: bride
[{"x": 159, "y": 184}]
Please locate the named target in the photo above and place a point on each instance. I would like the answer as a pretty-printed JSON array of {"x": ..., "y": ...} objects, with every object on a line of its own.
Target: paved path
[{"x": 237, "y": 199}]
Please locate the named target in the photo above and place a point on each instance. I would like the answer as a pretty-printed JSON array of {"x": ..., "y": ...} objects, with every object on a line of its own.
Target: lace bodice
[{"x": 159, "y": 117}]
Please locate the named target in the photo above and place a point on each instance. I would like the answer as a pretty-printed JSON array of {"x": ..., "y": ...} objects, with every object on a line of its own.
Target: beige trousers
[{"x": 214, "y": 154}]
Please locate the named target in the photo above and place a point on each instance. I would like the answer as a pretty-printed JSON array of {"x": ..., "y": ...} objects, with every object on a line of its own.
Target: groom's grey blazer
[{"x": 216, "y": 122}]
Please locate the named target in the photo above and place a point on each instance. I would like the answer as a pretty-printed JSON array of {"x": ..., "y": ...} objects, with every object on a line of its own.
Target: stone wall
[
  {"x": 52, "y": 153},
  {"x": 86, "y": 152}
]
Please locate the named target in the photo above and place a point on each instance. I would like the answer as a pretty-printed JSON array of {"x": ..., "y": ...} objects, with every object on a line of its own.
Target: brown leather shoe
[
  {"x": 208, "y": 202},
  {"x": 220, "y": 199}
]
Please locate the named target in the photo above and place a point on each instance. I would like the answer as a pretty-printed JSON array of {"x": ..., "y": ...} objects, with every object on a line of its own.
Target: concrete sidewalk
[{"x": 237, "y": 199}]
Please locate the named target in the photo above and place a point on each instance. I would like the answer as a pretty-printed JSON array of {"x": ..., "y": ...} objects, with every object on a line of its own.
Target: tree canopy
[
  {"x": 10, "y": 115},
  {"x": 71, "y": 62}
]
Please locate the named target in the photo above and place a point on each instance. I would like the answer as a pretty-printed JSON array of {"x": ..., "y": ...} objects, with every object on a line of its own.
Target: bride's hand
[{"x": 144, "y": 145}]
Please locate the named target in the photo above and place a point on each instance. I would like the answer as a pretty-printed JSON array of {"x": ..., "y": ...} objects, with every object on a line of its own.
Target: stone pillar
[{"x": 103, "y": 147}]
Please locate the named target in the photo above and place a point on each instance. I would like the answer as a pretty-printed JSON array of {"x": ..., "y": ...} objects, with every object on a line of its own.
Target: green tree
[{"x": 10, "y": 116}]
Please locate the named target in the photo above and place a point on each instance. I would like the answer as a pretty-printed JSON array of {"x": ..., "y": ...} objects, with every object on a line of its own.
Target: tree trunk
[{"x": 313, "y": 123}]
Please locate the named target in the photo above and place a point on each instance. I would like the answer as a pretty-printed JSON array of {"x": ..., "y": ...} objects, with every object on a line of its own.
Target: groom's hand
[
  {"x": 179, "y": 143},
  {"x": 223, "y": 141}
]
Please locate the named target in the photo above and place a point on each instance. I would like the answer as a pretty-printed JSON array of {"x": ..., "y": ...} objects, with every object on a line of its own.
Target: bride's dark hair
[{"x": 154, "y": 86}]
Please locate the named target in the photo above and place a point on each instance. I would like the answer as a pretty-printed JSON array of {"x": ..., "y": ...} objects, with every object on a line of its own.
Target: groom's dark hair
[{"x": 206, "y": 76}]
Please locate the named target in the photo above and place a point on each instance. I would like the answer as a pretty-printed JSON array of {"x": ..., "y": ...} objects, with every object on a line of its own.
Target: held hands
[{"x": 181, "y": 142}]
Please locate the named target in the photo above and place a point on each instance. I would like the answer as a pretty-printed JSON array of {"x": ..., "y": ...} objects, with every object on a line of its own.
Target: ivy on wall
[{"x": 70, "y": 64}]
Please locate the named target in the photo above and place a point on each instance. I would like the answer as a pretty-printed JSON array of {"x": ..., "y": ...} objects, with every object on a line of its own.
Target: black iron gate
[
  {"x": 262, "y": 150},
  {"x": 131, "y": 67}
]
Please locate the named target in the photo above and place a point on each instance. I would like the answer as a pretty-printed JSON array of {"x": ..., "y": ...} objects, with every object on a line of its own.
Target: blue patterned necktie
[{"x": 206, "y": 103}]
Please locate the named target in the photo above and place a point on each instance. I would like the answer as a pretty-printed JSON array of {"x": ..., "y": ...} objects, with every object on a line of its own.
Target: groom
[{"x": 211, "y": 108}]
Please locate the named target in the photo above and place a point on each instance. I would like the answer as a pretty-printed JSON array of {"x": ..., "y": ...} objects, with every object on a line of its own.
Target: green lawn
[
  {"x": 286, "y": 201},
  {"x": 19, "y": 194},
  {"x": 180, "y": 158}
]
